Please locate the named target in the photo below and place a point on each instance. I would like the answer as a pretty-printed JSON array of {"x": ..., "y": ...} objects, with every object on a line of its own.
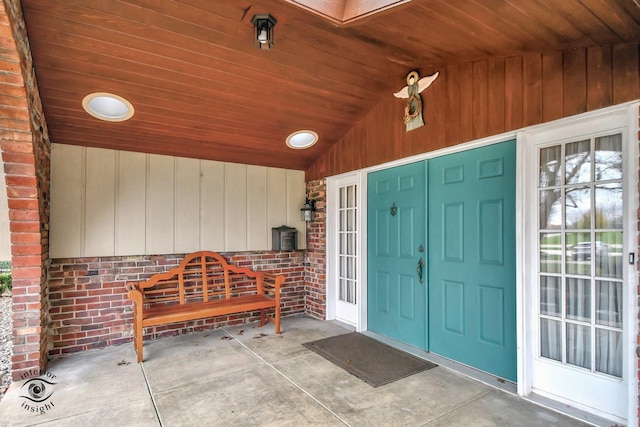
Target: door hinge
[{"x": 632, "y": 258}]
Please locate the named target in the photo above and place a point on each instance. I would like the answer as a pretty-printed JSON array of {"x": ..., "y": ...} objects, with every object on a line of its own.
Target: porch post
[{"x": 26, "y": 154}]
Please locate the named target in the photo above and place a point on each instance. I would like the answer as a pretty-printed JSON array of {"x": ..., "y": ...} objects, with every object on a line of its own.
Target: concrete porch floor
[{"x": 247, "y": 376}]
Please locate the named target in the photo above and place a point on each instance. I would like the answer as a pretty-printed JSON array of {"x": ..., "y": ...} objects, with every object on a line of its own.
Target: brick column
[
  {"x": 315, "y": 258},
  {"x": 26, "y": 155}
]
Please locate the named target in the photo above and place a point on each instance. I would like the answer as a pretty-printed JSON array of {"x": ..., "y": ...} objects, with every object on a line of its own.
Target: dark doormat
[{"x": 370, "y": 360}]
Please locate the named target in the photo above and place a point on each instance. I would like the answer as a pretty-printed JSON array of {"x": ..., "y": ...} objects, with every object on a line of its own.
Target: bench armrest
[
  {"x": 134, "y": 293},
  {"x": 272, "y": 283}
]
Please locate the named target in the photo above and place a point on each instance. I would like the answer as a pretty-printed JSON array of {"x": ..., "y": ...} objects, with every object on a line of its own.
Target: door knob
[{"x": 420, "y": 268}]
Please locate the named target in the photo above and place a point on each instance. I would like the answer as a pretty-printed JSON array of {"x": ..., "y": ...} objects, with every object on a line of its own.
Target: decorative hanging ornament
[{"x": 411, "y": 92}]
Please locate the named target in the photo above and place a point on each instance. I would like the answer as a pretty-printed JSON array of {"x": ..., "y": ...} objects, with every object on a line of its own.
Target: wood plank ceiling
[{"x": 201, "y": 89}]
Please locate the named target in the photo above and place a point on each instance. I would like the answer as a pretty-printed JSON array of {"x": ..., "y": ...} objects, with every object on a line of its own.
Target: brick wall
[
  {"x": 26, "y": 155},
  {"x": 315, "y": 263},
  {"x": 90, "y": 308}
]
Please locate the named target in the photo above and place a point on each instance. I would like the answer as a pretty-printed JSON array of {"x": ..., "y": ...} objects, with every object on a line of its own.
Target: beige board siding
[
  {"x": 131, "y": 204},
  {"x": 257, "y": 225},
  {"x": 212, "y": 226},
  {"x": 99, "y": 224},
  {"x": 187, "y": 207},
  {"x": 106, "y": 203},
  {"x": 66, "y": 237}
]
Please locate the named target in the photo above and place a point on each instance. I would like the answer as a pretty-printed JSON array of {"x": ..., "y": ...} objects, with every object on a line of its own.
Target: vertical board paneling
[
  {"x": 532, "y": 90},
  {"x": 480, "y": 99},
  {"x": 626, "y": 73},
  {"x": 552, "y": 83},
  {"x": 513, "y": 93},
  {"x": 575, "y": 81},
  {"x": 187, "y": 205},
  {"x": 277, "y": 201},
  {"x": 212, "y": 218},
  {"x": 537, "y": 88},
  {"x": 451, "y": 105},
  {"x": 99, "y": 236},
  {"x": 67, "y": 201},
  {"x": 107, "y": 202},
  {"x": 235, "y": 207},
  {"x": 160, "y": 205},
  {"x": 131, "y": 203},
  {"x": 599, "y": 87},
  {"x": 465, "y": 106},
  {"x": 496, "y": 97},
  {"x": 257, "y": 227},
  {"x": 296, "y": 189}
]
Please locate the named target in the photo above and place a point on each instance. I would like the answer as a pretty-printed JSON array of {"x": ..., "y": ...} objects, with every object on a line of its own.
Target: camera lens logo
[{"x": 37, "y": 393}]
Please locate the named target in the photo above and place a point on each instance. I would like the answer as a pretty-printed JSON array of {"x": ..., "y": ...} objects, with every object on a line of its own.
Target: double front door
[{"x": 441, "y": 256}]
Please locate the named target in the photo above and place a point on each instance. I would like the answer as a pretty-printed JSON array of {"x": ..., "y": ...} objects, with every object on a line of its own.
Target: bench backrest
[{"x": 201, "y": 276}]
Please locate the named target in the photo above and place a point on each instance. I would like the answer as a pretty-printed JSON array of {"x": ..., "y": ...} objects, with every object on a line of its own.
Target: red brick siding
[
  {"x": 315, "y": 273},
  {"x": 90, "y": 308},
  {"x": 26, "y": 154}
]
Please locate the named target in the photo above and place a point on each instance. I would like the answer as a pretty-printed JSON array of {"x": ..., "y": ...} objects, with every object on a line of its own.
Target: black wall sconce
[
  {"x": 263, "y": 36},
  {"x": 308, "y": 210}
]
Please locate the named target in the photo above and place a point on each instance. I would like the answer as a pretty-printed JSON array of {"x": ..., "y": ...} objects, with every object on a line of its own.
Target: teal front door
[
  {"x": 396, "y": 227},
  {"x": 472, "y": 283},
  {"x": 461, "y": 304}
]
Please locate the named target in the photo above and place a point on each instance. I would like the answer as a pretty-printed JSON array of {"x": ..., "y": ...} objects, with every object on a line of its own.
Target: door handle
[{"x": 420, "y": 268}]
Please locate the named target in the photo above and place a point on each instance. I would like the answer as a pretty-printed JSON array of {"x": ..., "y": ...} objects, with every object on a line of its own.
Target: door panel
[
  {"x": 397, "y": 299},
  {"x": 472, "y": 258}
]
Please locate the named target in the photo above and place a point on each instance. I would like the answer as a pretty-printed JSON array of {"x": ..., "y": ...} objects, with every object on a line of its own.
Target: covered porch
[{"x": 244, "y": 375}]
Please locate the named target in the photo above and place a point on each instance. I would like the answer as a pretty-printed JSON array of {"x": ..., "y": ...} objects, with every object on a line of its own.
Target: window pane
[
  {"x": 550, "y": 253},
  {"x": 608, "y": 249},
  {"x": 609, "y": 352},
  {"x": 578, "y": 345},
  {"x": 609, "y": 206},
  {"x": 343, "y": 290},
  {"x": 343, "y": 220},
  {"x": 578, "y": 253},
  {"x": 550, "y": 209},
  {"x": 351, "y": 196},
  {"x": 608, "y": 158},
  {"x": 343, "y": 198},
  {"x": 549, "y": 175},
  {"x": 550, "y": 294},
  {"x": 609, "y": 303},
  {"x": 351, "y": 220},
  {"x": 578, "y": 299},
  {"x": 343, "y": 243},
  {"x": 578, "y": 162},
  {"x": 578, "y": 208},
  {"x": 551, "y": 339}
]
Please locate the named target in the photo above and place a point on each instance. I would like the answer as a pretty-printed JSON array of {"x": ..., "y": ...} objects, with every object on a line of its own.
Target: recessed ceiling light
[
  {"x": 302, "y": 139},
  {"x": 107, "y": 106}
]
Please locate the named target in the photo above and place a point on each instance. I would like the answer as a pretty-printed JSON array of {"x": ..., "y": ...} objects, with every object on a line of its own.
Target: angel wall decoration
[{"x": 413, "y": 110}]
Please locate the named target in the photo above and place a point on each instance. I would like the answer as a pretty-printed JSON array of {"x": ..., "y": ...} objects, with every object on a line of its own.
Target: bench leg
[
  {"x": 263, "y": 318},
  {"x": 137, "y": 339},
  {"x": 277, "y": 318}
]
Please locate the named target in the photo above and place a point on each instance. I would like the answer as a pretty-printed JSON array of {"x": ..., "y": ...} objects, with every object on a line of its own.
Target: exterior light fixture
[
  {"x": 263, "y": 24},
  {"x": 308, "y": 210},
  {"x": 108, "y": 107},
  {"x": 302, "y": 139}
]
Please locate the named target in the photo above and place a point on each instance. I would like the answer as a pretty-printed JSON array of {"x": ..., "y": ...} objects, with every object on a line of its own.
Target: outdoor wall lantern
[
  {"x": 307, "y": 211},
  {"x": 263, "y": 25}
]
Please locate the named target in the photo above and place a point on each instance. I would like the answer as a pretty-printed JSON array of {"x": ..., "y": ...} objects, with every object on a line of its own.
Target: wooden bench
[{"x": 203, "y": 285}]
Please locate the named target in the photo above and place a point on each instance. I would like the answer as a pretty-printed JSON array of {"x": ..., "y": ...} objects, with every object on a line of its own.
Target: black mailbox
[{"x": 284, "y": 238}]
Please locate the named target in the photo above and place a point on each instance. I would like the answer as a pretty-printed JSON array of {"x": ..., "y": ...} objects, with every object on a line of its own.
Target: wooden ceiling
[{"x": 201, "y": 89}]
